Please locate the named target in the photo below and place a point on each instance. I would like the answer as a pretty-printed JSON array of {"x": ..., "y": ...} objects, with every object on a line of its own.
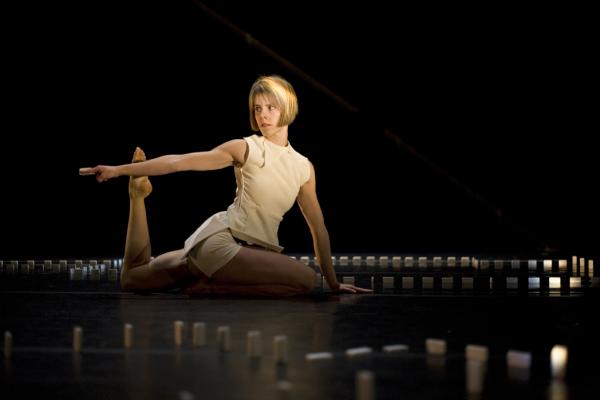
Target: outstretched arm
[
  {"x": 309, "y": 204},
  {"x": 224, "y": 155}
]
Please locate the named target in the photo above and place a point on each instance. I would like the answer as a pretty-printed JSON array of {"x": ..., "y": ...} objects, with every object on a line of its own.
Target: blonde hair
[{"x": 280, "y": 92}]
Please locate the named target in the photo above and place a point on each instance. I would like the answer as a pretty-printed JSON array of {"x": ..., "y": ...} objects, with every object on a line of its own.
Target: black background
[{"x": 492, "y": 106}]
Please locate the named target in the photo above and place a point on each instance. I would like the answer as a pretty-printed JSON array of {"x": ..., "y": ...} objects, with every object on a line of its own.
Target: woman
[{"x": 234, "y": 251}]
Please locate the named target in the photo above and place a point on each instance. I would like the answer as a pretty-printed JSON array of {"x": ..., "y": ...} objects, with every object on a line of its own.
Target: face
[{"x": 266, "y": 114}]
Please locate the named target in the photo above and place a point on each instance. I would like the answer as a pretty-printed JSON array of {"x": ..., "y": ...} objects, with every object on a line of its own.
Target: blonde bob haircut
[{"x": 280, "y": 92}]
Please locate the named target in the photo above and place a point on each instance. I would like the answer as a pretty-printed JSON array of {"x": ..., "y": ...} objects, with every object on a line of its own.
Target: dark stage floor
[{"x": 40, "y": 310}]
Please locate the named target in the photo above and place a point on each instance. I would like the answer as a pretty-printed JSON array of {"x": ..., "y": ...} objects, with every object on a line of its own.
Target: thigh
[
  {"x": 166, "y": 270},
  {"x": 252, "y": 266}
]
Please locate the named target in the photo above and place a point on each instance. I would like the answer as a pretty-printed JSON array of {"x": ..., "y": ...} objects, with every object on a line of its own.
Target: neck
[{"x": 279, "y": 136}]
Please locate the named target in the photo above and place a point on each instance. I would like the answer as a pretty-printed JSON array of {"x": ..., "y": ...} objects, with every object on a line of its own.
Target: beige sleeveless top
[{"x": 267, "y": 186}]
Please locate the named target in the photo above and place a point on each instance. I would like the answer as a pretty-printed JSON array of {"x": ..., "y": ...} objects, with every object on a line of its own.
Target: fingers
[
  {"x": 354, "y": 289},
  {"x": 87, "y": 171}
]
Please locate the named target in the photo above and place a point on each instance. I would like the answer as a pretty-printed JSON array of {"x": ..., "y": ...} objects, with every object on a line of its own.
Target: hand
[
  {"x": 102, "y": 172},
  {"x": 344, "y": 287}
]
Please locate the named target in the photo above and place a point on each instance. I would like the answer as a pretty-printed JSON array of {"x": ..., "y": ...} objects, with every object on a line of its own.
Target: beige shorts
[{"x": 214, "y": 252}]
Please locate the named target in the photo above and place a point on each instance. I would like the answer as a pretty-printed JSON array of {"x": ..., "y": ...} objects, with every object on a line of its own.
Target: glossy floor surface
[{"x": 41, "y": 318}]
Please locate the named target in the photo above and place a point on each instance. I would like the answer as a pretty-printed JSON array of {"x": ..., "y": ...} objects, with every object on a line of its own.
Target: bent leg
[
  {"x": 167, "y": 270},
  {"x": 259, "y": 272}
]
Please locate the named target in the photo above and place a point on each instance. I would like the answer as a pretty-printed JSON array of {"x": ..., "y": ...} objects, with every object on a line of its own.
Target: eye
[
  {"x": 272, "y": 108},
  {"x": 257, "y": 109}
]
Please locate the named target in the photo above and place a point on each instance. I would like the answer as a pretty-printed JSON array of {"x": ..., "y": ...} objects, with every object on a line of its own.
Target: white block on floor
[
  {"x": 575, "y": 282},
  {"x": 532, "y": 265},
  {"x": 562, "y": 265},
  {"x": 370, "y": 261},
  {"x": 348, "y": 280},
  {"x": 515, "y": 264},
  {"x": 199, "y": 334},
  {"x": 178, "y": 332},
  {"x": 447, "y": 282},
  {"x": 533, "y": 282},
  {"x": 388, "y": 282},
  {"x": 475, "y": 352},
  {"x": 113, "y": 274},
  {"x": 498, "y": 265},
  {"x": 365, "y": 385},
  {"x": 558, "y": 361},
  {"x": 547, "y": 265},
  {"x": 409, "y": 262},
  {"x": 392, "y": 348},
  {"x": 591, "y": 268},
  {"x": 484, "y": 264},
  {"x": 554, "y": 282},
  {"x": 518, "y": 359},
  {"x": 333, "y": 260},
  {"x": 474, "y": 263},
  {"x": 422, "y": 263},
  {"x": 396, "y": 261},
  {"x": 427, "y": 282},
  {"x": 127, "y": 336},
  {"x": 435, "y": 346},
  {"x": 357, "y": 261},
  {"x": 467, "y": 282},
  {"x": 318, "y": 280},
  {"x": 451, "y": 261},
  {"x": 254, "y": 344},
  {"x": 512, "y": 282},
  {"x": 408, "y": 282},
  {"x": 47, "y": 265},
  {"x": 344, "y": 260},
  {"x": 224, "y": 338},
  {"x": 358, "y": 351},
  {"x": 318, "y": 356},
  {"x": 437, "y": 262},
  {"x": 384, "y": 261},
  {"x": 280, "y": 349},
  {"x": 465, "y": 262},
  {"x": 305, "y": 260},
  {"x": 93, "y": 263}
]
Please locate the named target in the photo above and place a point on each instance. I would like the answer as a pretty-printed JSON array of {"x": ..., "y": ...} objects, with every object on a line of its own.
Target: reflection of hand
[
  {"x": 102, "y": 172},
  {"x": 352, "y": 289}
]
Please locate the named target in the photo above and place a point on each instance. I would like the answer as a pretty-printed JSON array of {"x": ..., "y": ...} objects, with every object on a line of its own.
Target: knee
[{"x": 306, "y": 280}]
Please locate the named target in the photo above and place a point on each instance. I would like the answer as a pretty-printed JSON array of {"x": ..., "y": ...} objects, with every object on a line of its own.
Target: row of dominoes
[
  {"x": 476, "y": 356},
  {"x": 578, "y": 265},
  {"x": 383, "y": 282}
]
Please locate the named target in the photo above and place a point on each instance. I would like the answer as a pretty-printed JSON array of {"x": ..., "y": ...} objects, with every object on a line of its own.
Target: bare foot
[{"x": 139, "y": 187}]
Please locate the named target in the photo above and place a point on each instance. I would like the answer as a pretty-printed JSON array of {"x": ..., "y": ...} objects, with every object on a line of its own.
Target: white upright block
[
  {"x": 465, "y": 262},
  {"x": 78, "y": 263},
  {"x": 475, "y": 352},
  {"x": 128, "y": 336},
  {"x": 562, "y": 265},
  {"x": 467, "y": 282},
  {"x": 532, "y": 265},
  {"x": 396, "y": 261},
  {"x": 8, "y": 344},
  {"x": 284, "y": 390},
  {"x": 409, "y": 262},
  {"x": 408, "y": 282},
  {"x": 93, "y": 263},
  {"x": 280, "y": 349},
  {"x": 224, "y": 338},
  {"x": 388, "y": 282},
  {"x": 484, "y": 264},
  {"x": 533, "y": 282},
  {"x": 356, "y": 261},
  {"x": 437, "y": 262},
  {"x": 547, "y": 265},
  {"x": 365, "y": 385},
  {"x": 384, "y": 261},
  {"x": 178, "y": 332},
  {"x": 554, "y": 282},
  {"x": 581, "y": 268},
  {"x": 558, "y": 360},
  {"x": 435, "y": 346},
  {"x": 515, "y": 264},
  {"x": 475, "y": 376},
  {"x": 498, "y": 264},
  {"x": 77, "y": 338},
  {"x": 107, "y": 263},
  {"x": 512, "y": 282},
  {"x": 47, "y": 265},
  {"x": 199, "y": 334},
  {"x": 113, "y": 274},
  {"x": 370, "y": 261},
  {"x": 422, "y": 262},
  {"x": 447, "y": 282},
  {"x": 344, "y": 260},
  {"x": 451, "y": 261},
  {"x": 305, "y": 260},
  {"x": 254, "y": 344},
  {"x": 427, "y": 282},
  {"x": 575, "y": 282},
  {"x": 591, "y": 268},
  {"x": 349, "y": 280}
]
